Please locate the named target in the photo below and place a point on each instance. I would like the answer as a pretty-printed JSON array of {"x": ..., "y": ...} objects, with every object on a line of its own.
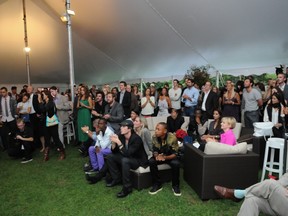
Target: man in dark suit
[
  {"x": 208, "y": 101},
  {"x": 124, "y": 98},
  {"x": 281, "y": 81},
  {"x": 127, "y": 153},
  {"x": 113, "y": 112},
  {"x": 7, "y": 111},
  {"x": 34, "y": 114}
]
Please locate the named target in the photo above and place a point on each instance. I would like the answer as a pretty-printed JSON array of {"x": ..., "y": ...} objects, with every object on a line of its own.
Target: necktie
[{"x": 6, "y": 107}]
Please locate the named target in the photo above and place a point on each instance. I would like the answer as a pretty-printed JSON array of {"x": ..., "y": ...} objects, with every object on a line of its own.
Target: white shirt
[
  {"x": 31, "y": 104},
  {"x": 6, "y": 118},
  {"x": 121, "y": 96},
  {"x": 24, "y": 107},
  {"x": 274, "y": 115},
  {"x": 204, "y": 100},
  {"x": 175, "y": 97},
  {"x": 148, "y": 109},
  {"x": 103, "y": 140}
]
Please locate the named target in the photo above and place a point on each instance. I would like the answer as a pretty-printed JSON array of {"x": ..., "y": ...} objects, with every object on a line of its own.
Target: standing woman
[
  {"x": 274, "y": 112},
  {"x": 84, "y": 107},
  {"x": 48, "y": 108},
  {"x": 231, "y": 103},
  {"x": 147, "y": 103},
  {"x": 24, "y": 108},
  {"x": 164, "y": 103},
  {"x": 136, "y": 92}
]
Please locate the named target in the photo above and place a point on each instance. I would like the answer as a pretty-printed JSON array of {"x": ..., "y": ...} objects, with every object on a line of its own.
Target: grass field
[{"x": 59, "y": 188}]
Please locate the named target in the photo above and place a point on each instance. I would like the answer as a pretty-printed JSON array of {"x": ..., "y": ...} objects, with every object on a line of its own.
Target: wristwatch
[{"x": 87, "y": 131}]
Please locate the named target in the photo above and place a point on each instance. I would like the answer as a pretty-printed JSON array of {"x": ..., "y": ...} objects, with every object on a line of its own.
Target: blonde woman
[
  {"x": 228, "y": 137},
  {"x": 141, "y": 128},
  {"x": 231, "y": 103}
]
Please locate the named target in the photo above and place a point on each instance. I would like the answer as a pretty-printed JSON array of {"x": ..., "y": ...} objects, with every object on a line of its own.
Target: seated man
[
  {"x": 165, "y": 149},
  {"x": 269, "y": 197},
  {"x": 127, "y": 153},
  {"x": 101, "y": 148},
  {"x": 175, "y": 121},
  {"x": 23, "y": 142}
]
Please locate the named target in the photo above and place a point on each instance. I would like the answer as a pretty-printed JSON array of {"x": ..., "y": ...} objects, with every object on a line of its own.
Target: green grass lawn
[{"x": 59, "y": 188}]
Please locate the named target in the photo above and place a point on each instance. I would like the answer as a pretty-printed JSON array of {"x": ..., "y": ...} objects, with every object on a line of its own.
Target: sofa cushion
[
  {"x": 147, "y": 169},
  {"x": 220, "y": 148}
]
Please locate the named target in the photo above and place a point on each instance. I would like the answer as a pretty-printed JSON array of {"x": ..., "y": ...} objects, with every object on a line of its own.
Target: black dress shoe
[
  {"x": 93, "y": 179},
  {"x": 112, "y": 183},
  {"x": 124, "y": 192}
]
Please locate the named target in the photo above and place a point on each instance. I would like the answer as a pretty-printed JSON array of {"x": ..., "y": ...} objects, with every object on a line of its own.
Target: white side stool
[
  {"x": 69, "y": 131},
  {"x": 273, "y": 143}
]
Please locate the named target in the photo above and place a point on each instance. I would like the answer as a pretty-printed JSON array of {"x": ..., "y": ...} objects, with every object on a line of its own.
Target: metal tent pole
[
  {"x": 27, "y": 49},
  {"x": 70, "y": 50}
]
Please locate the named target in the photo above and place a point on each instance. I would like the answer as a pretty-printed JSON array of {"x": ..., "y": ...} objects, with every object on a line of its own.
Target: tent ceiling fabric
[{"x": 133, "y": 39}]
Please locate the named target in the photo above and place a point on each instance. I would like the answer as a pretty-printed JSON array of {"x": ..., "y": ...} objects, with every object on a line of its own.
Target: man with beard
[
  {"x": 62, "y": 106},
  {"x": 190, "y": 98},
  {"x": 113, "y": 112},
  {"x": 252, "y": 100},
  {"x": 100, "y": 104}
]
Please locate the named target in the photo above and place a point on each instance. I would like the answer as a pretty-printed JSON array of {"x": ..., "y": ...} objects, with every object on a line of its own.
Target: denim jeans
[
  {"x": 189, "y": 111},
  {"x": 250, "y": 117}
]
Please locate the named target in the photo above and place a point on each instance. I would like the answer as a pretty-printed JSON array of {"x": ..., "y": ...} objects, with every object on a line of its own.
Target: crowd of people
[{"x": 111, "y": 126}]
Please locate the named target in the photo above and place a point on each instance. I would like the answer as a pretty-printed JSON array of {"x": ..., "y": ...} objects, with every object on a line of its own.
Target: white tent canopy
[{"x": 132, "y": 39}]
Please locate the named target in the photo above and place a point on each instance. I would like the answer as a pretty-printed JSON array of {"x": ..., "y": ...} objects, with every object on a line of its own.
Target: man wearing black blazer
[
  {"x": 8, "y": 116},
  {"x": 113, "y": 112},
  {"x": 208, "y": 101},
  {"x": 124, "y": 98},
  {"x": 34, "y": 114},
  {"x": 127, "y": 153}
]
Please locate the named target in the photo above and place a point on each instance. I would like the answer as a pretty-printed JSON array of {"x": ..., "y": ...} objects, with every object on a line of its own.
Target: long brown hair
[
  {"x": 86, "y": 95},
  {"x": 47, "y": 92}
]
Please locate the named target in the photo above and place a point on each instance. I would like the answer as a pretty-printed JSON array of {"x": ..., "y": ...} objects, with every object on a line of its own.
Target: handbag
[
  {"x": 263, "y": 129},
  {"x": 52, "y": 121}
]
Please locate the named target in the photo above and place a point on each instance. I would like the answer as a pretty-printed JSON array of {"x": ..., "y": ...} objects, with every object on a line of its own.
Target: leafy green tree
[{"x": 199, "y": 74}]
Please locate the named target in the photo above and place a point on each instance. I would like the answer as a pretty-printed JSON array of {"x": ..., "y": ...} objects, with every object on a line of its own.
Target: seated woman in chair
[
  {"x": 197, "y": 125},
  {"x": 228, "y": 137},
  {"x": 274, "y": 112},
  {"x": 214, "y": 128}
]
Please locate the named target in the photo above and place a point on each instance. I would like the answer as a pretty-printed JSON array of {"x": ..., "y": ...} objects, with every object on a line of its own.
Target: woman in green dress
[{"x": 84, "y": 107}]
